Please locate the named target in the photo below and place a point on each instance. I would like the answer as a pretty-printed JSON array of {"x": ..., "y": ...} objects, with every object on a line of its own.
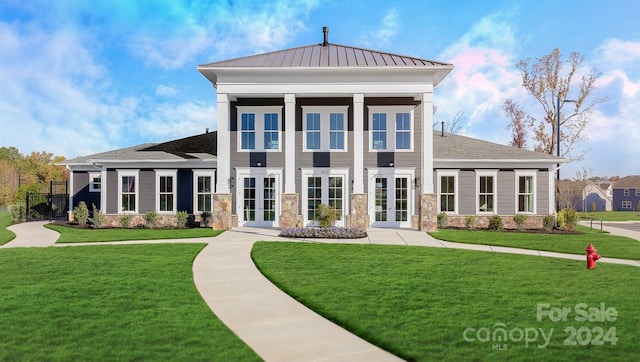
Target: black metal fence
[{"x": 53, "y": 205}]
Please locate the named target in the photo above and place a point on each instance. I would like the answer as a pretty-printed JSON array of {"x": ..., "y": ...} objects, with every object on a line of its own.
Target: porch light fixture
[
  {"x": 416, "y": 183},
  {"x": 390, "y": 164},
  {"x": 232, "y": 182},
  {"x": 259, "y": 164}
]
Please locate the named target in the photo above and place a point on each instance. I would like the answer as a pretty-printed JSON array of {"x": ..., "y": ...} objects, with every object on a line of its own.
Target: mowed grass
[
  {"x": 5, "y": 235},
  {"x": 611, "y": 215},
  {"x": 70, "y": 234},
  {"x": 418, "y": 302},
  {"x": 108, "y": 303},
  {"x": 607, "y": 245}
]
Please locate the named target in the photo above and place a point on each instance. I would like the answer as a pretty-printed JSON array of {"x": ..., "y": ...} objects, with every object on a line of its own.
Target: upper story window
[
  {"x": 447, "y": 191},
  {"x": 486, "y": 181},
  {"x": 259, "y": 128},
  {"x": 325, "y": 128},
  {"x": 391, "y": 128},
  {"x": 525, "y": 187},
  {"x": 95, "y": 182},
  {"x": 128, "y": 191},
  {"x": 166, "y": 191},
  {"x": 637, "y": 192},
  {"x": 626, "y": 192}
]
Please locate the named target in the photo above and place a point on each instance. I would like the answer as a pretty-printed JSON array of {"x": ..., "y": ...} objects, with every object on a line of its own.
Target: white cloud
[
  {"x": 381, "y": 36},
  {"x": 166, "y": 91}
]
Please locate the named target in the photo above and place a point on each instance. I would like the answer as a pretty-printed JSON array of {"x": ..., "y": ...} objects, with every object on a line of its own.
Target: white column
[
  {"x": 224, "y": 146},
  {"x": 290, "y": 143},
  {"x": 426, "y": 121},
  {"x": 358, "y": 143}
]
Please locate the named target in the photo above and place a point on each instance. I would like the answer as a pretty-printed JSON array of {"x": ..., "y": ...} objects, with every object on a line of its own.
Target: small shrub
[
  {"x": 125, "y": 221},
  {"x": 548, "y": 221},
  {"x": 150, "y": 219},
  {"x": 568, "y": 219},
  {"x": 18, "y": 213},
  {"x": 520, "y": 219},
  {"x": 470, "y": 221},
  {"x": 181, "y": 219},
  {"x": 325, "y": 215},
  {"x": 98, "y": 217},
  {"x": 443, "y": 220},
  {"x": 81, "y": 213},
  {"x": 495, "y": 223},
  {"x": 205, "y": 218},
  {"x": 593, "y": 206}
]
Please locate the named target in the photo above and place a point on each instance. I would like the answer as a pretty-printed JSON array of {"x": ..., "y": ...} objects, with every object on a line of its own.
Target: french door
[
  {"x": 258, "y": 199},
  {"x": 390, "y": 199},
  {"x": 324, "y": 186}
]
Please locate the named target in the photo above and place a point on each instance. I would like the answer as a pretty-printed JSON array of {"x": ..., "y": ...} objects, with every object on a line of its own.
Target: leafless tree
[
  {"x": 518, "y": 124},
  {"x": 547, "y": 79},
  {"x": 453, "y": 125}
]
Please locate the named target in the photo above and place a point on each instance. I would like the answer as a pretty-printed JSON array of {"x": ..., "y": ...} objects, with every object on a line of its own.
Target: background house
[{"x": 626, "y": 194}]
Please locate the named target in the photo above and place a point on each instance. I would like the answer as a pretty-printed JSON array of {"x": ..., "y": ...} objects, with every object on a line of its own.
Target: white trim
[
  {"x": 484, "y": 173},
  {"x": 257, "y": 172},
  {"x": 136, "y": 174},
  {"x": 202, "y": 173},
  {"x": 325, "y": 173},
  {"x": 92, "y": 184},
  {"x": 174, "y": 187},
  {"x": 224, "y": 145},
  {"x": 290, "y": 143},
  {"x": 258, "y": 112},
  {"x": 524, "y": 173},
  {"x": 325, "y": 112},
  {"x": 456, "y": 189},
  {"x": 426, "y": 154},
  {"x": 390, "y": 112},
  {"x": 358, "y": 143},
  {"x": 391, "y": 172}
]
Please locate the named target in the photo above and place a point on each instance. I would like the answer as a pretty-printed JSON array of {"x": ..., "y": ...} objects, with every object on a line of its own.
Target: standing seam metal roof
[{"x": 331, "y": 55}]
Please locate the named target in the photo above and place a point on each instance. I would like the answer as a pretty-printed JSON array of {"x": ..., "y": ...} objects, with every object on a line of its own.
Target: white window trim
[
  {"x": 174, "y": 181},
  {"x": 325, "y": 123},
  {"x": 494, "y": 174},
  {"x": 92, "y": 185},
  {"x": 122, "y": 173},
  {"x": 409, "y": 173},
  {"x": 391, "y": 126},
  {"x": 626, "y": 202},
  {"x": 454, "y": 173},
  {"x": 259, "y": 112},
  {"x": 202, "y": 173},
  {"x": 637, "y": 192},
  {"x": 243, "y": 172},
  {"x": 315, "y": 172},
  {"x": 520, "y": 173}
]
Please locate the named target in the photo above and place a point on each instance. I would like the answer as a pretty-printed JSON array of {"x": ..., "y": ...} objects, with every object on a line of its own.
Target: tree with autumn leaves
[
  {"x": 20, "y": 174},
  {"x": 548, "y": 79}
]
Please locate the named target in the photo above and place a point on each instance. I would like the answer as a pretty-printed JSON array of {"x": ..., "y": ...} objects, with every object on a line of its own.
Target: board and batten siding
[{"x": 81, "y": 191}]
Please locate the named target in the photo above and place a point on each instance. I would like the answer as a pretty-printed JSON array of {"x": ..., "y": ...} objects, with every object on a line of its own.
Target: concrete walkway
[{"x": 273, "y": 324}]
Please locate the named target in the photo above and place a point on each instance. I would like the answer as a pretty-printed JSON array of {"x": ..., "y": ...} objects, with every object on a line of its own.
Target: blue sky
[{"x": 79, "y": 77}]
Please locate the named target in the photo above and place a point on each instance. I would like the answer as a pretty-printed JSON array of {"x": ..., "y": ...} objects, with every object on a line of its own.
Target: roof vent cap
[{"x": 325, "y": 30}]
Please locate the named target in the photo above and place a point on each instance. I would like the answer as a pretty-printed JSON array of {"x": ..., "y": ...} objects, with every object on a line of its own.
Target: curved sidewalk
[{"x": 31, "y": 234}]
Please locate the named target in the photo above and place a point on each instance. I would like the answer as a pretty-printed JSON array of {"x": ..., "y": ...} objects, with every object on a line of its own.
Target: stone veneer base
[{"x": 221, "y": 212}]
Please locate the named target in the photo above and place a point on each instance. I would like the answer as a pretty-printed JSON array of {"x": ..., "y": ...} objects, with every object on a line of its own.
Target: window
[
  {"x": 314, "y": 196},
  {"x": 391, "y": 128},
  {"x": 403, "y": 131},
  {"x": 248, "y": 131},
  {"x": 204, "y": 182},
  {"x": 128, "y": 191},
  {"x": 259, "y": 128},
  {"x": 525, "y": 186},
  {"x": 626, "y": 192},
  {"x": 336, "y": 131},
  {"x": 325, "y": 128},
  {"x": 95, "y": 182},
  {"x": 271, "y": 131},
  {"x": 486, "y": 191},
  {"x": 637, "y": 192},
  {"x": 166, "y": 191},
  {"x": 313, "y": 131},
  {"x": 447, "y": 186},
  {"x": 626, "y": 204},
  {"x": 379, "y": 137}
]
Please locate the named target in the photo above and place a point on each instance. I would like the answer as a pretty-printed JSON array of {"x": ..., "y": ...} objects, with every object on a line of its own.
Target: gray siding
[
  {"x": 112, "y": 191},
  {"x": 147, "y": 191},
  {"x": 506, "y": 188},
  {"x": 542, "y": 193},
  {"x": 466, "y": 192}
]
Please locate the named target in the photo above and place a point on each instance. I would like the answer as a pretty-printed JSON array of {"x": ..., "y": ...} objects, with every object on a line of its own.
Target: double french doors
[
  {"x": 390, "y": 198},
  {"x": 324, "y": 186},
  {"x": 258, "y": 199}
]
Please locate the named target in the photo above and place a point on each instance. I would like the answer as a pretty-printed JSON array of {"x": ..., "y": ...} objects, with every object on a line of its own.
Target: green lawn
[
  {"x": 5, "y": 220},
  {"x": 79, "y": 235},
  {"x": 612, "y": 215},
  {"x": 418, "y": 302},
  {"x": 108, "y": 303},
  {"x": 608, "y": 245}
]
